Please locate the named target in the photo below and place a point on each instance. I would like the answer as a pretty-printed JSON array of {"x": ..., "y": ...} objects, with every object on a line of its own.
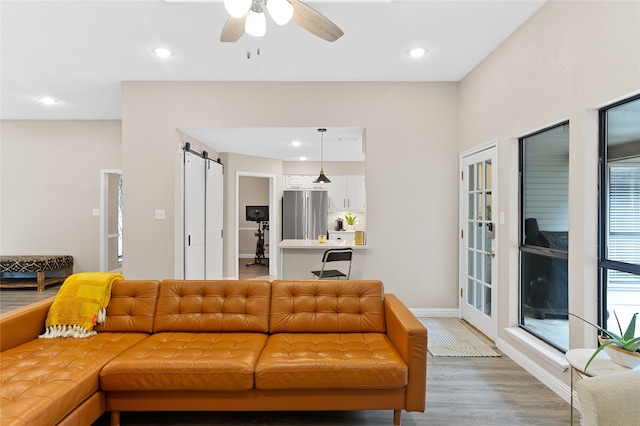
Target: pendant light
[{"x": 322, "y": 178}]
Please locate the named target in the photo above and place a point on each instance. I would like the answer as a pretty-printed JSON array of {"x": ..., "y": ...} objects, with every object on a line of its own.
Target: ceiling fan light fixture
[
  {"x": 256, "y": 24},
  {"x": 237, "y": 8},
  {"x": 322, "y": 178},
  {"x": 281, "y": 11}
]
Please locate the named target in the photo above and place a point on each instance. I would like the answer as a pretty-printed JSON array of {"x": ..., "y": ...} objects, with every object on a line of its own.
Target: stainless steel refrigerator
[{"x": 304, "y": 214}]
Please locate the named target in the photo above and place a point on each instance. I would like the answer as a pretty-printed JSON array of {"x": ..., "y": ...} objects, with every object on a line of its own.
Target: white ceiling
[{"x": 78, "y": 52}]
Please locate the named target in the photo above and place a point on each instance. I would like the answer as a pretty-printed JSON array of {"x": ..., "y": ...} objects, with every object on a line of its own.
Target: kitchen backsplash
[{"x": 360, "y": 225}]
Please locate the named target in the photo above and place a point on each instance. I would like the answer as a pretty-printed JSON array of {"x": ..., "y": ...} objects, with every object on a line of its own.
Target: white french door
[{"x": 478, "y": 271}]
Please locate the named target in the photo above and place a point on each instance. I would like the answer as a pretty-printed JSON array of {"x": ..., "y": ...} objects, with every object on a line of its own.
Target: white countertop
[{"x": 314, "y": 244}]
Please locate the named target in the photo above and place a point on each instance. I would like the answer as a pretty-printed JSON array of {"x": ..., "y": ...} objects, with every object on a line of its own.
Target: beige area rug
[{"x": 451, "y": 337}]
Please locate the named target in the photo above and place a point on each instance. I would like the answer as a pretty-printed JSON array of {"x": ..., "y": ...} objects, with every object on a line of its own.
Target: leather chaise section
[
  {"x": 330, "y": 361},
  {"x": 186, "y": 361},
  {"x": 44, "y": 379}
]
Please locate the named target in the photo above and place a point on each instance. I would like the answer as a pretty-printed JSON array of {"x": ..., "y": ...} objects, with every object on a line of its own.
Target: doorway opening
[
  {"x": 111, "y": 256},
  {"x": 256, "y": 252}
]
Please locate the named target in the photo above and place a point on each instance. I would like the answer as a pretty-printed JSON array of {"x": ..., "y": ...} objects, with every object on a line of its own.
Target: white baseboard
[{"x": 436, "y": 312}]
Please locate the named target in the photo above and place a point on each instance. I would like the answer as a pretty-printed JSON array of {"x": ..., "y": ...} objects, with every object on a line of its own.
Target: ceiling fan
[{"x": 249, "y": 16}]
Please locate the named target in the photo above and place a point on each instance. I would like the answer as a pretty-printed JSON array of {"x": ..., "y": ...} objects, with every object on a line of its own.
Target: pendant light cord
[
  {"x": 322, "y": 178},
  {"x": 322, "y": 149}
]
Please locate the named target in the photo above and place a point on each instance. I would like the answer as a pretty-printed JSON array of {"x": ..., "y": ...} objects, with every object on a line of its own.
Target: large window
[
  {"x": 544, "y": 235},
  {"x": 619, "y": 245}
]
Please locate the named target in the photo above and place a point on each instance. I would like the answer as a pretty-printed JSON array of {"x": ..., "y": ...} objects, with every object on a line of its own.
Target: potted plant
[
  {"x": 623, "y": 349},
  {"x": 351, "y": 219}
]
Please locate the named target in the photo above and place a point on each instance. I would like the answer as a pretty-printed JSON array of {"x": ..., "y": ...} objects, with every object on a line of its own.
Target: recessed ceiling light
[
  {"x": 417, "y": 52},
  {"x": 48, "y": 100},
  {"x": 162, "y": 52},
  {"x": 296, "y": 143},
  {"x": 302, "y": 158}
]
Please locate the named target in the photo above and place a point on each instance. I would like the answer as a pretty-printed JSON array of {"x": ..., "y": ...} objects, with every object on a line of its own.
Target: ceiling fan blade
[
  {"x": 314, "y": 22},
  {"x": 233, "y": 29}
]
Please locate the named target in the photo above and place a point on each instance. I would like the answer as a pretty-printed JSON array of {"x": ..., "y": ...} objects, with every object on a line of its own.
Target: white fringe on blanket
[
  {"x": 72, "y": 330},
  {"x": 66, "y": 331}
]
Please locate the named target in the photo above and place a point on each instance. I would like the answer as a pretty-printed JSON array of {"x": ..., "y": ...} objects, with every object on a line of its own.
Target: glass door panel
[{"x": 479, "y": 241}]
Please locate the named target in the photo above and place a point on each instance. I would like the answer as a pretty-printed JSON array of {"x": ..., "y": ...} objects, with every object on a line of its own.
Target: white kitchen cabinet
[
  {"x": 302, "y": 182},
  {"x": 346, "y": 193}
]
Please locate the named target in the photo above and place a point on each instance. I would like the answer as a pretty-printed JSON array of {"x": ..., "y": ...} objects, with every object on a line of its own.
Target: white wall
[
  {"x": 568, "y": 60},
  {"x": 411, "y": 141},
  {"x": 50, "y": 184}
]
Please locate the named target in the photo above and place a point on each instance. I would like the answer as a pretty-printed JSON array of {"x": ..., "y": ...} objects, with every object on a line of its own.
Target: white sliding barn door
[
  {"x": 213, "y": 218},
  {"x": 194, "y": 217}
]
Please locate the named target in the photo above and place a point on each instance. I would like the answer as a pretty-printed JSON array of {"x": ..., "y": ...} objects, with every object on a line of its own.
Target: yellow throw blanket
[{"x": 80, "y": 303}]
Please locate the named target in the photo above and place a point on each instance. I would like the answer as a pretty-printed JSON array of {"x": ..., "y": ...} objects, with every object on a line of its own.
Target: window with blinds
[
  {"x": 619, "y": 219},
  {"x": 624, "y": 214},
  {"x": 544, "y": 235}
]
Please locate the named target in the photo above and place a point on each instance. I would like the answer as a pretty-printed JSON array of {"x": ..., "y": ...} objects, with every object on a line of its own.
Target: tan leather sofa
[{"x": 218, "y": 346}]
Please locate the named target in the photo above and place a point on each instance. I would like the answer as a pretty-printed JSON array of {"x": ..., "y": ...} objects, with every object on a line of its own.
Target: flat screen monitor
[{"x": 257, "y": 213}]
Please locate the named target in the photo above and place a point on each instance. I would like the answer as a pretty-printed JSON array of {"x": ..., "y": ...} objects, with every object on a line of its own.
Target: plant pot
[{"x": 621, "y": 356}]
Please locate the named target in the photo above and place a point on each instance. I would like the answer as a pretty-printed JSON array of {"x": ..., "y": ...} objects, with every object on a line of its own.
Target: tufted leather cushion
[
  {"x": 186, "y": 361},
  {"x": 324, "y": 306},
  {"x": 132, "y": 306},
  {"x": 43, "y": 380},
  {"x": 213, "y": 306},
  {"x": 330, "y": 361}
]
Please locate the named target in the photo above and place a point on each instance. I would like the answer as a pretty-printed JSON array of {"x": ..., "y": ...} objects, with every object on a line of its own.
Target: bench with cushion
[{"x": 13, "y": 270}]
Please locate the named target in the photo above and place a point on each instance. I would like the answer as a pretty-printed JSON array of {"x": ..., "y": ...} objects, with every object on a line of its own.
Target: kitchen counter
[
  {"x": 299, "y": 257},
  {"x": 314, "y": 244}
]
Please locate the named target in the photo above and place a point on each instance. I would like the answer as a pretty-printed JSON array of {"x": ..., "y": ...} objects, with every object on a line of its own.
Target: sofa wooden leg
[
  {"x": 397, "y": 417},
  {"x": 115, "y": 418}
]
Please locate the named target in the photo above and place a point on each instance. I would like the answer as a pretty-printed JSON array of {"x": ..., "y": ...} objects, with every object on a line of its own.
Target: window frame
[
  {"x": 527, "y": 248},
  {"x": 605, "y": 264}
]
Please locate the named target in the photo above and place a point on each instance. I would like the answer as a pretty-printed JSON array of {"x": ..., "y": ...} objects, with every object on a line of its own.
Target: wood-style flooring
[
  {"x": 460, "y": 391},
  {"x": 252, "y": 271}
]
